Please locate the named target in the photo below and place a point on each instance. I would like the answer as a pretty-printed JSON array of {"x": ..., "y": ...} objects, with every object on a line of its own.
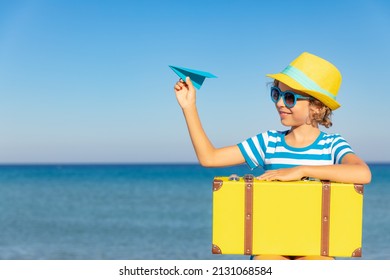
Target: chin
[{"x": 285, "y": 123}]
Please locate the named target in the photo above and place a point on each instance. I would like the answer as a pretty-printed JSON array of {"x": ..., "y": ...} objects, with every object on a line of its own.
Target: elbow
[
  {"x": 364, "y": 181},
  {"x": 207, "y": 160},
  {"x": 205, "y": 163},
  {"x": 365, "y": 176}
]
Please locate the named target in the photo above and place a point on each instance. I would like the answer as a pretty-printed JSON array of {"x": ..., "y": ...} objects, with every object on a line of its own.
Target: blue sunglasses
[{"x": 289, "y": 98}]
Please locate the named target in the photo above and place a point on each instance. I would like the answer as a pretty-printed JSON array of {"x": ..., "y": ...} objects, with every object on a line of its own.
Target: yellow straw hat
[{"x": 313, "y": 75}]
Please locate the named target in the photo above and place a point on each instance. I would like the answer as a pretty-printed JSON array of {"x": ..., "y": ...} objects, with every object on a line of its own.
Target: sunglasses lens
[
  {"x": 275, "y": 95},
  {"x": 289, "y": 99}
]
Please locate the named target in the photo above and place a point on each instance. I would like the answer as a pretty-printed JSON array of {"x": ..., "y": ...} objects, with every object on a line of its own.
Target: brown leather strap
[
  {"x": 325, "y": 218},
  {"x": 248, "y": 219}
]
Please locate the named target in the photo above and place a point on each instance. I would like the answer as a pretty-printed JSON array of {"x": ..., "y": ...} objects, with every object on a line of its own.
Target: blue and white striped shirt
[{"x": 270, "y": 150}]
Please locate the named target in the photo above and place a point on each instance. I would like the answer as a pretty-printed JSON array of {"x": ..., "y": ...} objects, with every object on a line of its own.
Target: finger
[
  {"x": 267, "y": 173},
  {"x": 268, "y": 176},
  {"x": 189, "y": 82},
  {"x": 182, "y": 83},
  {"x": 263, "y": 178}
]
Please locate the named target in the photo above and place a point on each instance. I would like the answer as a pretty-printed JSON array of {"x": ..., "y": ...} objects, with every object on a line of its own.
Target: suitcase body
[{"x": 300, "y": 218}]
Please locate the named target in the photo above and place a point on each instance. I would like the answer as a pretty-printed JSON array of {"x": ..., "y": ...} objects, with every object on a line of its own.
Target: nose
[{"x": 280, "y": 103}]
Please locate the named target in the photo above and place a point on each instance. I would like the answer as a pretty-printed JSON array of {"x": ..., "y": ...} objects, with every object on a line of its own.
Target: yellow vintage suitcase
[{"x": 300, "y": 218}]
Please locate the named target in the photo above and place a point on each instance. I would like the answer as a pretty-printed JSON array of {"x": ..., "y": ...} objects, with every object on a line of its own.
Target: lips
[{"x": 283, "y": 113}]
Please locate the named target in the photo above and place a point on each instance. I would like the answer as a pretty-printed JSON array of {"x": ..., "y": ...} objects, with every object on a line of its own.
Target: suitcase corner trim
[
  {"x": 216, "y": 250},
  {"x": 357, "y": 253},
  {"x": 217, "y": 184}
]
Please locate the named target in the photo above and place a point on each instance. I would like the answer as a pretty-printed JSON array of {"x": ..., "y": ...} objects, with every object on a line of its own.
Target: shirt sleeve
[
  {"x": 340, "y": 148},
  {"x": 253, "y": 149}
]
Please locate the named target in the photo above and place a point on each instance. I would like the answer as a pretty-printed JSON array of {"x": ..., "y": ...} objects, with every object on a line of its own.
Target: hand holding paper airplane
[{"x": 185, "y": 93}]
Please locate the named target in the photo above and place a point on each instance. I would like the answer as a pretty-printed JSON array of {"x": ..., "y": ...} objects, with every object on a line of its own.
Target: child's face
[{"x": 297, "y": 115}]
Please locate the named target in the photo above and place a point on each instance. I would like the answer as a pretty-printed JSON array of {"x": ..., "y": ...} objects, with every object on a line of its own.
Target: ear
[
  {"x": 315, "y": 109},
  {"x": 314, "y": 113}
]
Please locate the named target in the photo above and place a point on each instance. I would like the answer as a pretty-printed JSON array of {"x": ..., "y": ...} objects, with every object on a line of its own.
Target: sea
[{"x": 136, "y": 212}]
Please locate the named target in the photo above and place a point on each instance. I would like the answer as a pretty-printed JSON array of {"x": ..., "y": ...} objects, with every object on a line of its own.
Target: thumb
[{"x": 189, "y": 82}]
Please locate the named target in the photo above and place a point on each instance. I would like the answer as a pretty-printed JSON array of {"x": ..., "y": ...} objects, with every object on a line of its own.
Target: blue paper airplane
[{"x": 197, "y": 77}]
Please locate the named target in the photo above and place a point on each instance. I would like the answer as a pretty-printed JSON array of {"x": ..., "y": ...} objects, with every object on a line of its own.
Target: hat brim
[{"x": 331, "y": 103}]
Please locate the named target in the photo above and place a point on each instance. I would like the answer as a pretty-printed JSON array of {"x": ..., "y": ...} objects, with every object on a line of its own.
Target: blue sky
[{"x": 88, "y": 81}]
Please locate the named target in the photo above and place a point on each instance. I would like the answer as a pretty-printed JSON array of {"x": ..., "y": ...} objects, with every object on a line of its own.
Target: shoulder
[
  {"x": 275, "y": 133},
  {"x": 264, "y": 139},
  {"x": 331, "y": 137},
  {"x": 269, "y": 136},
  {"x": 334, "y": 141}
]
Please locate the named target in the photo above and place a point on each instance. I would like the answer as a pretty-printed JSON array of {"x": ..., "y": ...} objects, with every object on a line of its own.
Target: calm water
[{"x": 135, "y": 212}]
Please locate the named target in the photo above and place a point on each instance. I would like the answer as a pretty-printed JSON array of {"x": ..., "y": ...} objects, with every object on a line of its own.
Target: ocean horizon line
[{"x": 131, "y": 163}]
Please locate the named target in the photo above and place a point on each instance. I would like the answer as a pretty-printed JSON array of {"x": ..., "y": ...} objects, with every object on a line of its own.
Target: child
[{"x": 304, "y": 94}]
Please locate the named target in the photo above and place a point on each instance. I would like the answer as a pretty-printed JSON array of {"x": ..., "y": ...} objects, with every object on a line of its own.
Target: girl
[{"x": 304, "y": 94}]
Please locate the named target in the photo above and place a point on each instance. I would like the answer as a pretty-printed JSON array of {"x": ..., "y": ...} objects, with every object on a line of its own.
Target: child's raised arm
[{"x": 207, "y": 154}]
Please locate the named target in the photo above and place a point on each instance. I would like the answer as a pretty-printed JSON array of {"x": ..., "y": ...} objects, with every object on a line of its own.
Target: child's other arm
[
  {"x": 351, "y": 170},
  {"x": 207, "y": 154}
]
